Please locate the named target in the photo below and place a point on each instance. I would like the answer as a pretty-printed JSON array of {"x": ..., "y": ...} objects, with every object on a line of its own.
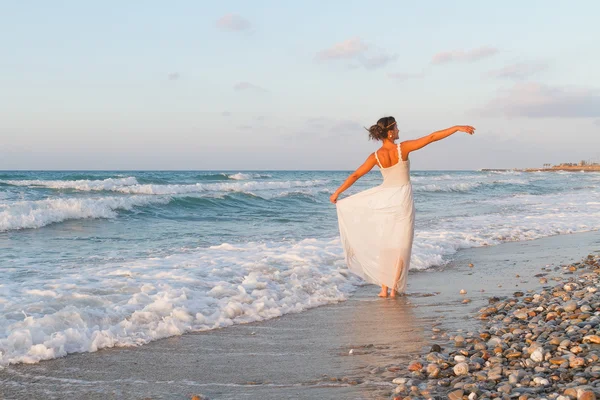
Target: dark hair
[{"x": 380, "y": 130}]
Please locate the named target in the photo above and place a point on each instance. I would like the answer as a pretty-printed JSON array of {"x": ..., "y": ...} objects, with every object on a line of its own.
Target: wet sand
[{"x": 306, "y": 355}]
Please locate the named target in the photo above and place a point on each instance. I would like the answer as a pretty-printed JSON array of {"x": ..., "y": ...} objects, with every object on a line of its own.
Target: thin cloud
[
  {"x": 532, "y": 100},
  {"x": 357, "y": 51},
  {"x": 348, "y": 49},
  {"x": 378, "y": 61},
  {"x": 233, "y": 23},
  {"x": 226, "y": 114},
  {"x": 248, "y": 87},
  {"x": 463, "y": 56},
  {"x": 405, "y": 76},
  {"x": 518, "y": 71},
  {"x": 173, "y": 76}
]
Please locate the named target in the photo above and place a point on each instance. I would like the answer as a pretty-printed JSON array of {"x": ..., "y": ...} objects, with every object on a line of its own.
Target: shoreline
[{"x": 307, "y": 355}]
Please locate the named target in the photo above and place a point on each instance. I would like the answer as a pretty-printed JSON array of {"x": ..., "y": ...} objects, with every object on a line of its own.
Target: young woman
[{"x": 377, "y": 225}]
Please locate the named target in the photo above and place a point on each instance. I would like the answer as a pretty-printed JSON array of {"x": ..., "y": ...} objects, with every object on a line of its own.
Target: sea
[{"x": 98, "y": 259}]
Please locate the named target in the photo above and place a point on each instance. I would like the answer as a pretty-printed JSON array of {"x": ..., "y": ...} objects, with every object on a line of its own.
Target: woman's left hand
[{"x": 333, "y": 198}]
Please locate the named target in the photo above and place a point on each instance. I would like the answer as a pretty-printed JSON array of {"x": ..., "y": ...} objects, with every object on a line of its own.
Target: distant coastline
[{"x": 581, "y": 167}]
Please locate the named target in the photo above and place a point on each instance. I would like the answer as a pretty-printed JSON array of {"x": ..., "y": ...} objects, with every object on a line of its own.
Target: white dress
[{"x": 377, "y": 228}]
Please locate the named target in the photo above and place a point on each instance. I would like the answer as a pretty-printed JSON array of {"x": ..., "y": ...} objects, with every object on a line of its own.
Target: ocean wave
[
  {"x": 17, "y": 215},
  {"x": 467, "y": 186},
  {"x": 217, "y": 187},
  {"x": 82, "y": 184},
  {"x": 454, "y": 187},
  {"x": 39, "y": 213},
  {"x": 247, "y": 176},
  {"x": 131, "y": 186},
  {"x": 85, "y": 310},
  {"x": 222, "y": 176}
]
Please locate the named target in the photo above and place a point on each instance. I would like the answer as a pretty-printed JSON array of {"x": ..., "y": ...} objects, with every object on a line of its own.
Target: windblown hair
[{"x": 380, "y": 130}]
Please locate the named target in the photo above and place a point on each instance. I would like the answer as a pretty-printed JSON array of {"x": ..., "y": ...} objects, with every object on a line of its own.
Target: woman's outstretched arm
[
  {"x": 363, "y": 169},
  {"x": 413, "y": 145}
]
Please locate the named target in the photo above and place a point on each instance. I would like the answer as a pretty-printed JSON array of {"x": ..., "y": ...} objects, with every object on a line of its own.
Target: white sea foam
[
  {"x": 525, "y": 217},
  {"x": 453, "y": 187},
  {"x": 38, "y": 213},
  {"x": 131, "y": 304},
  {"x": 218, "y": 187},
  {"x": 248, "y": 175},
  {"x": 131, "y": 186},
  {"x": 83, "y": 184}
]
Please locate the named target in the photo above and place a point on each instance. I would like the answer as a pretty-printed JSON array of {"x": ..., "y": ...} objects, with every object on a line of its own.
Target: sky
[{"x": 288, "y": 85}]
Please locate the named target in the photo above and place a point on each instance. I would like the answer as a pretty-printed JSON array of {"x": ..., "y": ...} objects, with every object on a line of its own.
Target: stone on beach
[
  {"x": 456, "y": 395},
  {"x": 461, "y": 369},
  {"x": 591, "y": 339},
  {"x": 415, "y": 366}
]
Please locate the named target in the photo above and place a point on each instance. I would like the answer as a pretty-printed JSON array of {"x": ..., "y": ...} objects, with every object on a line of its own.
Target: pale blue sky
[{"x": 288, "y": 85}]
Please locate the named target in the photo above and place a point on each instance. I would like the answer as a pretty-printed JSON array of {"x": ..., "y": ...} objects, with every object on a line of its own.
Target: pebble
[
  {"x": 537, "y": 356},
  {"x": 541, "y": 381},
  {"x": 571, "y": 306},
  {"x": 586, "y": 395},
  {"x": 591, "y": 339},
  {"x": 433, "y": 371},
  {"x": 505, "y": 388},
  {"x": 456, "y": 395},
  {"x": 461, "y": 369},
  {"x": 415, "y": 366}
]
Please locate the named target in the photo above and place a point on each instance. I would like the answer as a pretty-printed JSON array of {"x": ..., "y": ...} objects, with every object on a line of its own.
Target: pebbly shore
[{"x": 539, "y": 344}]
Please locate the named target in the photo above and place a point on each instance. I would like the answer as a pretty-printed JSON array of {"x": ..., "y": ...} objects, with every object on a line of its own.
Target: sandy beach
[{"x": 350, "y": 350}]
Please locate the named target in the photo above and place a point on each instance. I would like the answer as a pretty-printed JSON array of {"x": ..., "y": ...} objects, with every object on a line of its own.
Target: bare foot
[
  {"x": 393, "y": 294},
  {"x": 383, "y": 292}
]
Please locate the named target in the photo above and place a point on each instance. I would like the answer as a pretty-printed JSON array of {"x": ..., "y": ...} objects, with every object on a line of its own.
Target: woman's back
[
  {"x": 389, "y": 155},
  {"x": 397, "y": 172}
]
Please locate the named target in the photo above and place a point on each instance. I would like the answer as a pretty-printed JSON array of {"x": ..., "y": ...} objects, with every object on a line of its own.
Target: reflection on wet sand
[{"x": 382, "y": 337}]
